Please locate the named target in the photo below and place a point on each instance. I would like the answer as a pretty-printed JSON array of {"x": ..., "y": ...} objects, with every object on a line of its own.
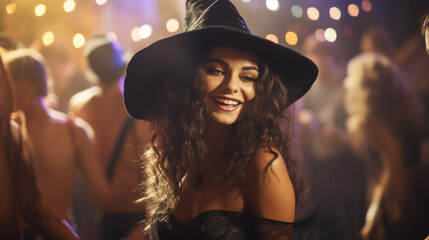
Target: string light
[
  {"x": 272, "y": 5},
  {"x": 313, "y": 13},
  {"x": 291, "y": 38},
  {"x": 353, "y": 10},
  {"x": 48, "y": 38},
  {"x": 135, "y": 34},
  {"x": 273, "y": 38},
  {"x": 319, "y": 34},
  {"x": 40, "y": 10},
  {"x": 101, "y": 2},
  {"x": 366, "y": 6},
  {"x": 69, "y": 5},
  {"x": 296, "y": 11},
  {"x": 78, "y": 40},
  {"x": 145, "y": 31},
  {"x": 330, "y": 35},
  {"x": 335, "y": 13},
  {"x": 10, "y": 8},
  {"x": 172, "y": 25}
]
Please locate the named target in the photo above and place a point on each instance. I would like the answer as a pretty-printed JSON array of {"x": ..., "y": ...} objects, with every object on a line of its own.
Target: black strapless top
[{"x": 222, "y": 224}]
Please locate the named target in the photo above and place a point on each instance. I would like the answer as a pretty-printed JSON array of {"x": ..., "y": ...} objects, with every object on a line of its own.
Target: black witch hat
[{"x": 209, "y": 23}]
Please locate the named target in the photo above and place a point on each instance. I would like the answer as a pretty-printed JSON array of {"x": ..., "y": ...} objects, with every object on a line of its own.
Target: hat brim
[{"x": 175, "y": 59}]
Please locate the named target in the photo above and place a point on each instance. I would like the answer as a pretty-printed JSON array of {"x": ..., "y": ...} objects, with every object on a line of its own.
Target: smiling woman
[
  {"x": 229, "y": 76},
  {"x": 219, "y": 165}
]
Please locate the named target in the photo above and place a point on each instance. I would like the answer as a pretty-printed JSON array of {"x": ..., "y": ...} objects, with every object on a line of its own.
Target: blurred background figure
[
  {"x": 385, "y": 124},
  {"x": 66, "y": 74},
  {"x": 336, "y": 177},
  {"x": 116, "y": 134},
  {"x": 8, "y": 42},
  {"x": 20, "y": 200},
  {"x": 60, "y": 144},
  {"x": 377, "y": 39}
]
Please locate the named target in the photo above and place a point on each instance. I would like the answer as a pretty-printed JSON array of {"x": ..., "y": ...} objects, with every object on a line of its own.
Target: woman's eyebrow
[
  {"x": 250, "y": 68},
  {"x": 217, "y": 60}
]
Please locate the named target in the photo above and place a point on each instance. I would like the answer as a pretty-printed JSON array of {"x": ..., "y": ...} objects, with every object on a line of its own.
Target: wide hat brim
[{"x": 176, "y": 58}]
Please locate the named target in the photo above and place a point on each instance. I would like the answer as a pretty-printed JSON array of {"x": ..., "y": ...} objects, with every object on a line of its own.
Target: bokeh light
[
  {"x": 313, "y": 13},
  {"x": 69, "y": 5},
  {"x": 40, "y": 10},
  {"x": 172, "y": 25},
  {"x": 145, "y": 31},
  {"x": 101, "y": 2},
  {"x": 319, "y": 34},
  {"x": 10, "y": 8},
  {"x": 366, "y": 6},
  {"x": 353, "y": 10},
  {"x": 335, "y": 13},
  {"x": 48, "y": 38},
  {"x": 291, "y": 38},
  {"x": 246, "y": 1},
  {"x": 78, "y": 40},
  {"x": 330, "y": 35},
  {"x": 135, "y": 34},
  {"x": 272, "y": 5},
  {"x": 273, "y": 38},
  {"x": 296, "y": 11}
]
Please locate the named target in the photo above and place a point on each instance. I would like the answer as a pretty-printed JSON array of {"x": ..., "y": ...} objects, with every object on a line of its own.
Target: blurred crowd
[{"x": 69, "y": 151}]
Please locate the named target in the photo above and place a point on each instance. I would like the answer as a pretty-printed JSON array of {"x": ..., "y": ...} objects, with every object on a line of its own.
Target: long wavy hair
[{"x": 178, "y": 146}]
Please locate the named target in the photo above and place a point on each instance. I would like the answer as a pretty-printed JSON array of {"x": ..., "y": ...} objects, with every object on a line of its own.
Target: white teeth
[{"x": 226, "y": 101}]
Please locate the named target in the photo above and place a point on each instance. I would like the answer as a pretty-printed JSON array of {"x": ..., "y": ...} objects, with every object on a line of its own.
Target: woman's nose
[{"x": 232, "y": 83}]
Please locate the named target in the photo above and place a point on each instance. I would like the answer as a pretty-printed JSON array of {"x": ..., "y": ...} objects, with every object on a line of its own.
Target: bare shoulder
[
  {"x": 82, "y": 98},
  {"x": 268, "y": 189}
]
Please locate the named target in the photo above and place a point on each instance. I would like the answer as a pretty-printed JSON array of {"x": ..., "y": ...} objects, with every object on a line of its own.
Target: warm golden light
[
  {"x": 135, "y": 34},
  {"x": 273, "y": 38},
  {"x": 172, "y": 25},
  {"x": 320, "y": 34},
  {"x": 101, "y": 2},
  {"x": 353, "y": 10},
  {"x": 145, "y": 31},
  {"x": 10, "y": 8},
  {"x": 40, "y": 10},
  {"x": 69, "y": 5},
  {"x": 272, "y": 5},
  {"x": 313, "y": 13},
  {"x": 366, "y": 6},
  {"x": 48, "y": 38},
  {"x": 330, "y": 35},
  {"x": 335, "y": 13},
  {"x": 78, "y": 40},
  {"x": 291, "y": 38}
]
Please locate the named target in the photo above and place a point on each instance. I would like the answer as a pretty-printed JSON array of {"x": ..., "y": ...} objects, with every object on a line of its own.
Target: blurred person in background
[
  {"x": 377, "y": 39},
  {"x": 118, "y": 137},
  {"x": 385, "y": 124},
  {"x": 20, "y": 199},
  {"x": 336, "y": 176},
  {"x": 58, "y": 143},
  {"x": 67, "y": 76},
  {"x": 8, "y": 42}
]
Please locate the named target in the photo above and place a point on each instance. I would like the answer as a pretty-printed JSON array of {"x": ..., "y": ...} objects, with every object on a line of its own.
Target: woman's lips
[{"x": 226, "y": 104}]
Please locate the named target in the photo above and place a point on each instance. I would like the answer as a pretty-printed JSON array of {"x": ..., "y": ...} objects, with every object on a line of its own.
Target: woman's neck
[{"x": 217, "y": 137}]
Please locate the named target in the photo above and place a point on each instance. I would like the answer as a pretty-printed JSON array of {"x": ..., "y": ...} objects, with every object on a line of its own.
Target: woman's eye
[
  {"x": 248, "y": 78},
  {"x": 214, "y": 71}
]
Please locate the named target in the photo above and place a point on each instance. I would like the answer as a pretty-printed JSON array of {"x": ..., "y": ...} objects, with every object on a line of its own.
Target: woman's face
[{"x": 229, "y": 76}]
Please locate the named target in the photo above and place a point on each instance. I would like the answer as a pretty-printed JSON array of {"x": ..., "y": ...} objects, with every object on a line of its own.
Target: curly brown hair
[{"x": 178, "y": 146}]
